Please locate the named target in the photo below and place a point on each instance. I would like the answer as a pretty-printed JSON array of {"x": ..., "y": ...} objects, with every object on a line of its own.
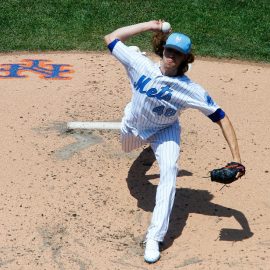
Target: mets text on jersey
[
  {"x": 43, "y": 68},
  {"x": 164, "y": 94}
]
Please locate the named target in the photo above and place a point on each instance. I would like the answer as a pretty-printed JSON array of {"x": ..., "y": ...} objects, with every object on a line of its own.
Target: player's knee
[
  {"x": 170, "y": 168},
  {"x": 126, "y": 149}
]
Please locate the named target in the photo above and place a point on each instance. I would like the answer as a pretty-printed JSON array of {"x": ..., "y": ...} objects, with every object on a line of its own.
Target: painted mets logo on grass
[{"x": 43, "y": 68}]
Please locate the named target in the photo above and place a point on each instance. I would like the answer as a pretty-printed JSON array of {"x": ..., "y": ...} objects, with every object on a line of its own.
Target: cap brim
[{"x": 175, "y": 48}]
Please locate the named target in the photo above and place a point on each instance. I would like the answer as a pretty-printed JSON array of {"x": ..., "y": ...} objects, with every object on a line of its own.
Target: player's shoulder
[
  {"x": 186, "y": 82},
  {"x": 190, "y": 87},
  {"x": 118, "y": 47},
  {"x": 131, "y": 58}
]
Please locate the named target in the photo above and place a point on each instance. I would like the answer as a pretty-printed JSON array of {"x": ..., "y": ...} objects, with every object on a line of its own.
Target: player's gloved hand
[{"x": 228, "y": 174}]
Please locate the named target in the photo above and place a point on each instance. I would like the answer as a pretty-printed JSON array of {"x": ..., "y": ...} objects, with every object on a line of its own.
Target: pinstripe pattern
[
  {"x": 130, "y": 142},
  {"x": 165, "y": 145},
  {"x": 184, "y": 93},
  {"x": 152, "y": 117}
]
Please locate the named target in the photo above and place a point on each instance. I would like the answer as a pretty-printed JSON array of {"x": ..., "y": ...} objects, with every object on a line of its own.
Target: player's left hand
[{"x": 228, "y": 174}]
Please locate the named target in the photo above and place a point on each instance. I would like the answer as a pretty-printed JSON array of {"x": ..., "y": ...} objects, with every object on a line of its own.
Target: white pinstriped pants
[{"x": 166, "y": 146}]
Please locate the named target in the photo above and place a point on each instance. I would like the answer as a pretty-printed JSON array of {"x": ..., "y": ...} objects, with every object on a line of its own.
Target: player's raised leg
[{"x": 130, "y": 142}]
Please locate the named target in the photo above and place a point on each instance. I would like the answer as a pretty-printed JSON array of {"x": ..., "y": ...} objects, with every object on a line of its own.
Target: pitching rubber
[{"x": 93, "y": 125}]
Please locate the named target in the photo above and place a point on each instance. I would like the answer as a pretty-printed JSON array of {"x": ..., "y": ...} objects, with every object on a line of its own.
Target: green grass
[{"x": 220, "y": 28}]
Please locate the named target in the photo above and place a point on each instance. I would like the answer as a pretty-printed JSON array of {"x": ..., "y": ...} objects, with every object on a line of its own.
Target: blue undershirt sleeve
[
  {"x": 217, "y": 115},
  {"x": 112, "y": 44}
]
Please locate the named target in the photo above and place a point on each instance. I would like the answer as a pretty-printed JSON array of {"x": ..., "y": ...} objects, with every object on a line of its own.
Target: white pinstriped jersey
[{"x": 157, "y": 100}]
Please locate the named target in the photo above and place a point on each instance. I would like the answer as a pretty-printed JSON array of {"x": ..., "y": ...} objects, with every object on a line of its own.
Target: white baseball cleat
[{"x": 151, "y": 252}]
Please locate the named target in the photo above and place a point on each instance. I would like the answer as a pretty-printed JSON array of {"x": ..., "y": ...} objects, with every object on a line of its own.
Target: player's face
[{"x": 172, "y": 58}]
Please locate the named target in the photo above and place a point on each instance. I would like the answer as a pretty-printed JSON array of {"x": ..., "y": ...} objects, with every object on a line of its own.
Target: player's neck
[{"x": 171, "y": 72}]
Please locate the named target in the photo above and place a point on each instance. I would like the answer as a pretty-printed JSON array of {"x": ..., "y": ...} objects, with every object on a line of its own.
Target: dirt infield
[{"x": 74, "y": 200}]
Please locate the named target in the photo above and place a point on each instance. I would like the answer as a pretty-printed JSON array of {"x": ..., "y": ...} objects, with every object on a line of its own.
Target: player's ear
[{"x": 190, "y": 58}]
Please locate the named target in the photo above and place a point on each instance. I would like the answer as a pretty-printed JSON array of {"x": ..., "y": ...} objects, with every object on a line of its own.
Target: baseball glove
[{"x": 228, "y": 174}]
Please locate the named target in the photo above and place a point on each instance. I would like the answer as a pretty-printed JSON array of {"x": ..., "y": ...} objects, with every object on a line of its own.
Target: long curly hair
[{"x": 158, "y": 42}]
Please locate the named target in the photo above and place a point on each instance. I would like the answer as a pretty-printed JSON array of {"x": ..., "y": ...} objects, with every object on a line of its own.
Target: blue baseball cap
[{"x": 179, "y": 42}]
